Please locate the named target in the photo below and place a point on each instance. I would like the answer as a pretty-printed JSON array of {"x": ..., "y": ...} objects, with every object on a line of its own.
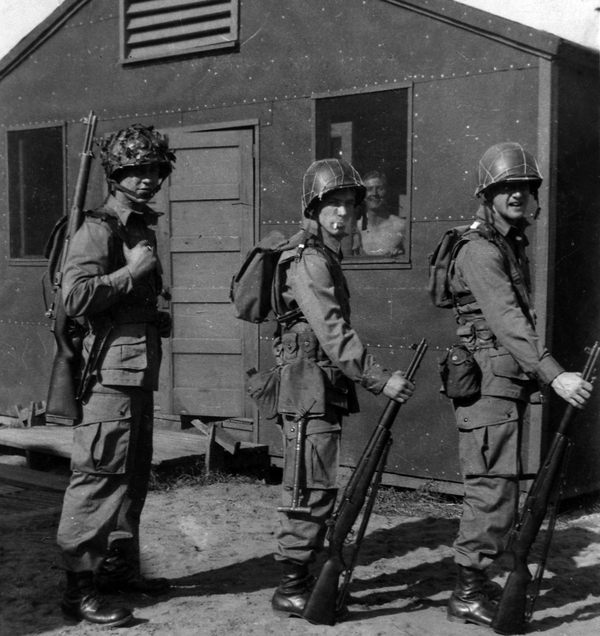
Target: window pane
[
  {"x": 370, "y": 130},
  {"x": 36, "y": 188}
]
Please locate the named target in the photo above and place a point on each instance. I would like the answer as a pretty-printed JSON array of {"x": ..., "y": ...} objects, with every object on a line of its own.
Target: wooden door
[{"x": 209, "y": 227}]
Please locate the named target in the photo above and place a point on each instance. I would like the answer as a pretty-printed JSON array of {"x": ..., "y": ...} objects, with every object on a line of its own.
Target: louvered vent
[{"x": 160, "y": 28}]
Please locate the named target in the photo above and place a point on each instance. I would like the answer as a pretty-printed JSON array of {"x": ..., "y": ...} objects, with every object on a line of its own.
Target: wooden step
[{"x": 169, "y": 446}]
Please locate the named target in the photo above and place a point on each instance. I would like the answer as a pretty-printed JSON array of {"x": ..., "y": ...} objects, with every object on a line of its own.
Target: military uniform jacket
[
  {"x": 315, "y": 284},
  {"x": 122, "y": 315},
  {"x": 501, "y": 323}
]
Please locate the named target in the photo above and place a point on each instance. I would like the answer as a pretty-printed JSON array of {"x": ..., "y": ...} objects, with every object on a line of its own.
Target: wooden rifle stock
[
  {"x": 62, "y": 390},
  {"x": 512, "y": 614},
  {"x": 322, "y": 604}
]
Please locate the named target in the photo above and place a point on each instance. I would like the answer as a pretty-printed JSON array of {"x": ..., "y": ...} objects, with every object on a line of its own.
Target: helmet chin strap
[{"x": 115, "y": 185}]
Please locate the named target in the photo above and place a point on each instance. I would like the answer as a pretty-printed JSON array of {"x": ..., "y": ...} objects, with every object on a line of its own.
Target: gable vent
[{"x": 161, "y": 28}]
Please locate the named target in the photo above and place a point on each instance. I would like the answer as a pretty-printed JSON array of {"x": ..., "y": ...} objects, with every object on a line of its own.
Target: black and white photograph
[{"x": 299, "y": 317}]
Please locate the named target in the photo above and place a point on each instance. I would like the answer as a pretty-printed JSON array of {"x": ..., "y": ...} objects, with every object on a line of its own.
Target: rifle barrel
[{"x": 511, "y": 616}]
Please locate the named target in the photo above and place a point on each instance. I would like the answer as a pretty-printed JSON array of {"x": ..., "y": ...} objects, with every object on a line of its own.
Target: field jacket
[
  {"x": 122, "y": 314},
  {"x": 499, "y": 325},
  {"x": 316, "y": 285}
]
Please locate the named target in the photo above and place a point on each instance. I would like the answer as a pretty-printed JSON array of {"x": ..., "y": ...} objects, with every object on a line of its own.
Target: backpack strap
[
  {"x": 482, "y": 230},
  {"x": 300, "y": 242}
]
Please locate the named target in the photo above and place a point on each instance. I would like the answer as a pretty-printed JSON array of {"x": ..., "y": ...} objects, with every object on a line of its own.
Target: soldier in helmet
[
  {"x": 321, "y": 358},
  {"x": 112, "y": 279},
  {"x": 490, "y": 282}
]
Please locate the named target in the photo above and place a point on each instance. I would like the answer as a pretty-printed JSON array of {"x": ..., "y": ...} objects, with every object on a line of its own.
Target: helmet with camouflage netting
[
  {"x": 507, "y": 161},
  {"x": 136, "y": 145},
  {"x": 327, "y": 175}
]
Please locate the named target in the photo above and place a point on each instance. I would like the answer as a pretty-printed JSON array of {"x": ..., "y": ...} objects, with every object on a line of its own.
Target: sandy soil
[{"x": 215, "y": 543}]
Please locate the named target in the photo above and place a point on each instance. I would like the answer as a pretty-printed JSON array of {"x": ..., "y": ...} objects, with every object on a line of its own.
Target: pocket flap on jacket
[{"x": 505, "y": 366}]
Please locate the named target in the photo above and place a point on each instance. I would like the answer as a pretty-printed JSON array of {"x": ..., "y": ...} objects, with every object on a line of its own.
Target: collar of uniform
[
  {"x": 500, "y": 224},
  {"x": 330, "y": 242},
  {"x": 123, "y": 212}
]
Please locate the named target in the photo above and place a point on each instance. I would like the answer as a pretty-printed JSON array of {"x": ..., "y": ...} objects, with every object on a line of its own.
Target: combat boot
[
  {"x": 116, "y": 575},
  {"x": 295, "y": 585},
  {"x": 469, "y": 602},
  {"x": 83, "y": 602}
]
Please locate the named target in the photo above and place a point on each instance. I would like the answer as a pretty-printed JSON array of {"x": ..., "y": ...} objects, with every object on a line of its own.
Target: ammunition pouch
[
  {"x": 302, "y": 389},
  {"x": 460, "y": 373},
  {"x": 263, "y": 389},
  {"x": 302, "y": 344}
]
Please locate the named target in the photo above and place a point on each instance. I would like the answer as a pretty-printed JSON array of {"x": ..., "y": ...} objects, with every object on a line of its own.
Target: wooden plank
[
  {"x": 58, "y": 440},
  {"x": 32, "y": 479},
  {"x": 220, "y": 436},
  {"x": 200, "y": 295},
  {"x": 152, "y": 21},
  {"x": 205, "y": 192},
  {"x": 205, "y": 244},
  {"x": 180, "y": 32},
  {"x": 165, "y": 5},
  {"x": 224, "y": 346},
  {"x": 213, "y": 403},
  {"x": 52, "y": 440}
]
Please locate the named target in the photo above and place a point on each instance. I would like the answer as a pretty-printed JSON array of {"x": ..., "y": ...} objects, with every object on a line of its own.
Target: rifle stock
[
  {"x": 512, "y": 614},
  {"x": 62, "y": 390},
  {"x": 321, "y": 606}
]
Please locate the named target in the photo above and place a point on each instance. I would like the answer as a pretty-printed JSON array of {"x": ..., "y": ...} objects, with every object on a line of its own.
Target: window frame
[
  {"x": 373, "y": 262},
  {"x": 34, "y": 261},
  {"x": 126, "y": 59}
]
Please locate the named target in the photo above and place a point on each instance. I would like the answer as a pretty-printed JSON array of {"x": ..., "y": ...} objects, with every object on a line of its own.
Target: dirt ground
[{"x": 215, "y": 543}]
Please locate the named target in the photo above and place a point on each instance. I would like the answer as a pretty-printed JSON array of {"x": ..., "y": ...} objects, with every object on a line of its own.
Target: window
[
  {"x": 162, "y": 28},
  {"x": 36, "y": 188},
  {"x": 370, "y": 130}
]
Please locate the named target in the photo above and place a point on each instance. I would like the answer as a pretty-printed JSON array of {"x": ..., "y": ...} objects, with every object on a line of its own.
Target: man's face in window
[{"x": 376, "y": 192}]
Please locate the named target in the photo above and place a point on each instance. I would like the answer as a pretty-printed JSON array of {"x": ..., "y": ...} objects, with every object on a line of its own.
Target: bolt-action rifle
[
  {"x": 326, "y": 600},
  {"x": 62, "y": 391},
  {"x": 516, "y": 606}
]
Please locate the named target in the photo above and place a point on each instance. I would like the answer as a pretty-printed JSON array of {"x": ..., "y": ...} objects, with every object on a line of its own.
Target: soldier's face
[
  {"x": 142, "y": 180},
  {"x": 510, "y": 200},
  {"x": 334, "y": 212}
]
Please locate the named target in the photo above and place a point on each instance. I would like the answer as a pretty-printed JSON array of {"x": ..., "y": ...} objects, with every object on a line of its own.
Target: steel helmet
[
  {"x": 326, "y": 175},
  {"x": 136, "y": 145},
  {"x": 507, "y": 162}
]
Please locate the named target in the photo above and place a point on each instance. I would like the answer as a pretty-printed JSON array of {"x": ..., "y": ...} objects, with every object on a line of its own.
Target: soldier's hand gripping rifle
[
  {"x": 326, "y": 599},
  {"x": 62, "y": 391},
  {"x": 516, "y": 606}
]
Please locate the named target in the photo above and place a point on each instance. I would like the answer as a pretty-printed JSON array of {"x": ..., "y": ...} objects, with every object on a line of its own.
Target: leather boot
[
  {"x": 83, "y": 602},
  {"x": 469, "y": 602},
  {"x": 116, "y": 575},
  {"x": 493, "y": 591},
  {"x": 293, "y": 590}
]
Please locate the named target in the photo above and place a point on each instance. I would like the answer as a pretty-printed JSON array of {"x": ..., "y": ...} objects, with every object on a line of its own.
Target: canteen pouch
[
  {"x": 263, "y": 388},
  {"x": 460, "y": 373}
]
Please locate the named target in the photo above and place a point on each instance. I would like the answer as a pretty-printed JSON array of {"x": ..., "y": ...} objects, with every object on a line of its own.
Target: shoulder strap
[
  {"x": 486, "y": 232},
  {"x": 101, "y": 215}
]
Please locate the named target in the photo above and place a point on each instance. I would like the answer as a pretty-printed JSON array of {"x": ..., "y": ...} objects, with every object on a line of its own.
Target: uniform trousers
[
  {"x": 302, "y": 536},
  {"x": 489, "y": 452},
  {"x": 111, "y": 462}
]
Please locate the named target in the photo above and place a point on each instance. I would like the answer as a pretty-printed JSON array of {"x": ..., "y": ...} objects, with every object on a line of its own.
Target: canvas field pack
[
  {"x": 440, "y": 264},
  {"x": 251, "y": 287}
]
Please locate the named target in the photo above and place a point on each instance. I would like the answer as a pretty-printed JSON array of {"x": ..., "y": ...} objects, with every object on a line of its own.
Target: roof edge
[
  {"x": 37, "y": 36},
  {"x": 513, "y": 34}
]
